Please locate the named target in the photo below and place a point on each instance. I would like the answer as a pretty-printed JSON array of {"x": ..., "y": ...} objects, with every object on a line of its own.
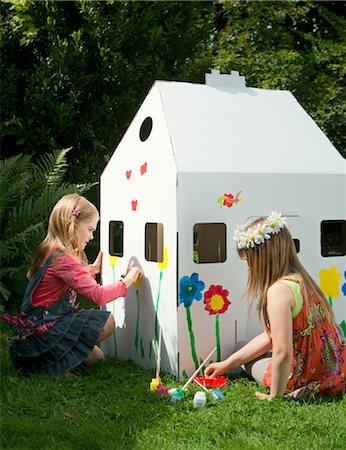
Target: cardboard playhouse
[{"x": 196, "y": 161}]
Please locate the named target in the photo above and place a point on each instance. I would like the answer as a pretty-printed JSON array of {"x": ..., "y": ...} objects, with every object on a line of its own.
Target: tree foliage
[
  {"x": 295, "y": 46},
  {"x": 79, "y": 70},
  {"x": 74, "y": 73},
  {"x": 28, "y": 193}
]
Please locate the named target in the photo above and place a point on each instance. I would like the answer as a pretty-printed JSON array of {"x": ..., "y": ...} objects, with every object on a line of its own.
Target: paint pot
[
  {"x": 199, "y": 400},
  {"x": 217, "y": 394},
  {"x": 219, "y": 382},
  {"x": 162, "y": 390},
  {"x": 155, "y": 382},
  {"x": 176, "y": 395}
]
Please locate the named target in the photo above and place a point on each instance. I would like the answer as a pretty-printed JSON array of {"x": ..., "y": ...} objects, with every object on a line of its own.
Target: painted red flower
[
  {"x": 144, "y": 168},
  {"x": 216, "y": 300},
  {"x": 229, "y": 202}
]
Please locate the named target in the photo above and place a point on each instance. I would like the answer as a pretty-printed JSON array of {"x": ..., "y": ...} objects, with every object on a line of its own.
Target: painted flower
[
  {"x": 162, "y": 265},
  {"x": 113, "y": 260},
  {"x": 330, "y": 281},
  {"x": 190, "y": 289},
  {"x": 227, "y": 200},
  {"x": 138, "y": 282},
  {"x": 344, "y": 285},
  {"x": 216, "y": 300}
]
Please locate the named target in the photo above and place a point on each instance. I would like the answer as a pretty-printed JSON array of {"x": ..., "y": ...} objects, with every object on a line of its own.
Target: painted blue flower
[
  {"x": 190, "y": 289},
  {"x": 344, "y": 285}
]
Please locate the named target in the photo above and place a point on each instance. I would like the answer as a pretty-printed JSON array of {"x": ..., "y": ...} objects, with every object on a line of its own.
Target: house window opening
[
  {"x": 116, "y": 238},
  {"x": 154, "y": 242},
  {"x": 333, "y": 238},
  {"x": 209, "y": 243},
  {"x": 145, "y": 129}
]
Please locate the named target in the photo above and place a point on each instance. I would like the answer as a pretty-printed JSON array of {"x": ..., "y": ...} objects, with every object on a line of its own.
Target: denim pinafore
[{"x": 55, "y": 339}]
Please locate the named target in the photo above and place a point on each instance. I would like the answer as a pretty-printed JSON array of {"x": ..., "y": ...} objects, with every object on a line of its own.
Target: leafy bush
[
  {"x": 79, "y": 70},
  {"x": 28, "y": 192}
]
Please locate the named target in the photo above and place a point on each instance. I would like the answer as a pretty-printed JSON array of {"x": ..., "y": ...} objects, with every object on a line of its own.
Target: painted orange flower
[{"x": 216, "y": 300}]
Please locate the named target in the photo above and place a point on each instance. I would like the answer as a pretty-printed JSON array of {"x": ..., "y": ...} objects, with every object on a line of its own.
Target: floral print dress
[{"x": 319, "y": 352}]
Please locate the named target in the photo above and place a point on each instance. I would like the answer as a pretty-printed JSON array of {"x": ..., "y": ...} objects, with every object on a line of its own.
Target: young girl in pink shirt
[{"x": 53, "y": 335}]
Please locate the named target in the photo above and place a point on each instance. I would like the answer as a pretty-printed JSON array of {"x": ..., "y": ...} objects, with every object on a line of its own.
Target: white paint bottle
[{"x": 199, "y": 400}]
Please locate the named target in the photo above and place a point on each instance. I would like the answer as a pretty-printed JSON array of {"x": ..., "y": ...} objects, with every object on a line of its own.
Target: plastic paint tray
[{"x": 219, "y": 382}]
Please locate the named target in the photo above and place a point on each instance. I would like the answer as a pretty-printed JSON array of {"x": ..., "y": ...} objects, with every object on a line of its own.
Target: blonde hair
[
  {"x": 272, "y": 260},
  {"x": 62, "y": 234}
]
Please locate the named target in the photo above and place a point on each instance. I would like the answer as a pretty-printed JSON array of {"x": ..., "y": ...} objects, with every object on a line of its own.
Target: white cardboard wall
[{"x": 206, "y": 143}]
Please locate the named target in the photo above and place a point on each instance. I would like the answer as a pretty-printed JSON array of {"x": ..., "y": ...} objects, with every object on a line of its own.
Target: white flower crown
[{"x": 259, "y": 233}]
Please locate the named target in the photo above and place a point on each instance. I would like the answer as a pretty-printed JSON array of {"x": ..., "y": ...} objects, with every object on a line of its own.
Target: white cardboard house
[{"x": 173, "y": 183}]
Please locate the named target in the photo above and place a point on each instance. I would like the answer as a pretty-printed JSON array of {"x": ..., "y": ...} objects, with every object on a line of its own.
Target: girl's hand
[
  {"x": 263, "y": 396},
  {"x": 215, "y": 369},
  {"x": 97, "y": 264},
  {"x": 132, "y": 275}
]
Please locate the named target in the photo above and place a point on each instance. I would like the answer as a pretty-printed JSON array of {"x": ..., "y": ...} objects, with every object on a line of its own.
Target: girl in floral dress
[
  {"x": 53, "y": 335},
  {"x": 302, "y": 351}
]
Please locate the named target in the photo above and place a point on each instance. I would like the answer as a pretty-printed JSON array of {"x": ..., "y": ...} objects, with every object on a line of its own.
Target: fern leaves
[{"x": 28, "y": 193}]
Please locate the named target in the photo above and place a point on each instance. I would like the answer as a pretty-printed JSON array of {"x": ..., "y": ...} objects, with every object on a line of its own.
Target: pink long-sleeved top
[{"x": 67, "y": 271}]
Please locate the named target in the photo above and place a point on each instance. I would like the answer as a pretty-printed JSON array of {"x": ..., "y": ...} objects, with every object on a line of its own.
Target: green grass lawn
[{"x": 109, "y": 406}]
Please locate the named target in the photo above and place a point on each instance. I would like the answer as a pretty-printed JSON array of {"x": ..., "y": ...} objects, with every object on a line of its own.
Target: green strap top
[{"x": 293, "y": 283}]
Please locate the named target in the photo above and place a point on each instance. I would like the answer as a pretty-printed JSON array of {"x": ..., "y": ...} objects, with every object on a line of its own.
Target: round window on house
[{"x": 145, "y": 129}]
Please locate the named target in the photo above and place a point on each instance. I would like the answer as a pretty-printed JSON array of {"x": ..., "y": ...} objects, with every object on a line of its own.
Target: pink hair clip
[{"x": 76, "y": 212}]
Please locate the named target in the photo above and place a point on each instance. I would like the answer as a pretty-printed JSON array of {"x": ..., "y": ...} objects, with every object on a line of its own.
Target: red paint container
[{"x": 215, "y": 383}]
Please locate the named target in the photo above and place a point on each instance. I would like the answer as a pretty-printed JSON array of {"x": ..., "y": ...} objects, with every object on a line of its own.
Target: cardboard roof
[{"x": 243, "y": 130}]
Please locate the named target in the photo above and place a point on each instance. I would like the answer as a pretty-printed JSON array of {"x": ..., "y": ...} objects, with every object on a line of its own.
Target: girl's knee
[{"x": 94, "y": 356}]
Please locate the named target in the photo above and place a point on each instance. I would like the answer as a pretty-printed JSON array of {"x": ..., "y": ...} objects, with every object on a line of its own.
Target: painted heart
[
  {"x": 143, "y": 168},
  {"x": 134, "y": 205},
  {"x": 128, "y": 174}
]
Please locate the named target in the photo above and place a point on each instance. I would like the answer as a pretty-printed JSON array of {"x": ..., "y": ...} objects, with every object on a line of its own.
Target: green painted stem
[
  {"x": 137, "y": 321},
  {"x": 157, "y": 310},
  {"x": 217, "y": 334},
  {"x": 114, "y": 336},
  {"x": 331, "y": 302},
  {"x": 192, "y": 337},
  {"x": 142, "y": 348}
]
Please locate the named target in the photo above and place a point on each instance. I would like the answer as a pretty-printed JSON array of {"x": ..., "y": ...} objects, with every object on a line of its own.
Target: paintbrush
[{"x": 196, "y": 372}]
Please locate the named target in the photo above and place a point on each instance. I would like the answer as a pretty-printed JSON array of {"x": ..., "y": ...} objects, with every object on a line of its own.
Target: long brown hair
[
  {"x": 62, "y": 233},
  {"x": 272, "y": 260}
]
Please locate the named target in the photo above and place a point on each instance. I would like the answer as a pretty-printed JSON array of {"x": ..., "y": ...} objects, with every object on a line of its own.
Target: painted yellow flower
[
  {"x": 113, "y": 260},
  {"x": 162, "y": 265},
  {"x": 138, "y": 282},
  {"x": 330, "y": 281}
]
